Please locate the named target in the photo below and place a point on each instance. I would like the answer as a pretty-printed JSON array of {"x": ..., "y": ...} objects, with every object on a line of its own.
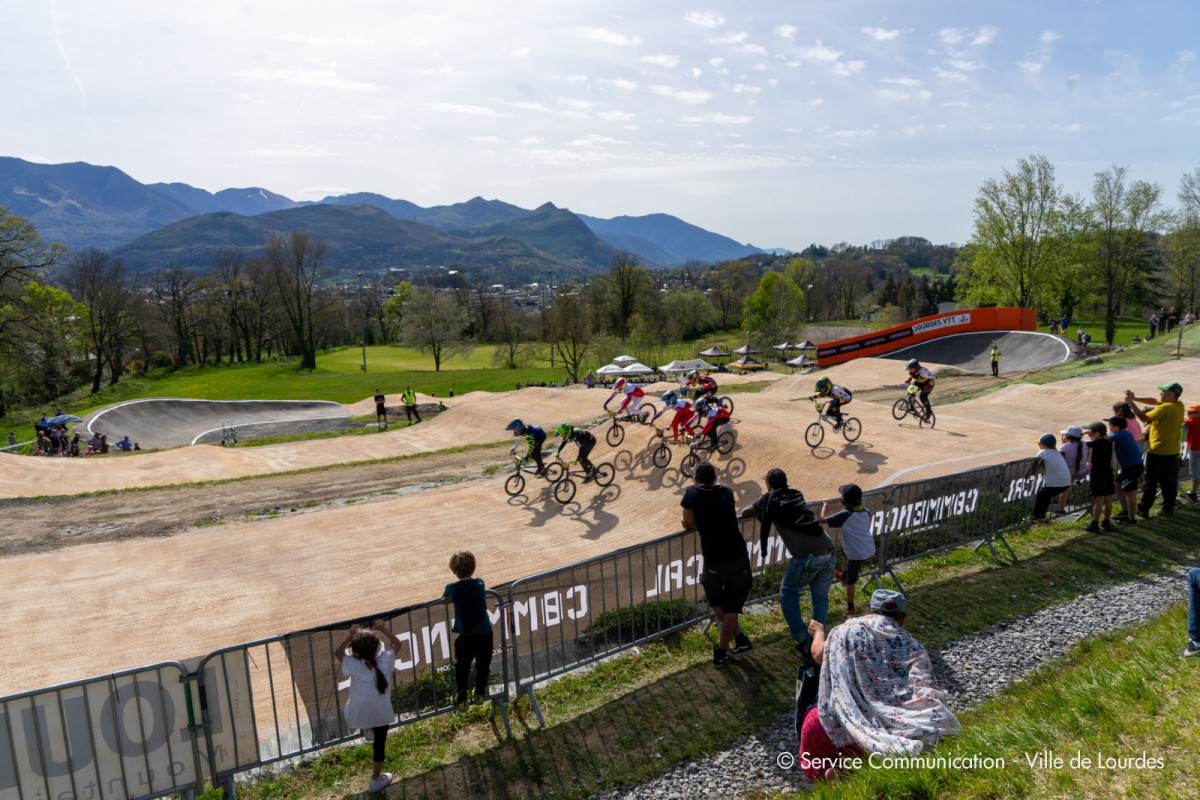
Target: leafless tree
[{"x": 297, "y": 266}]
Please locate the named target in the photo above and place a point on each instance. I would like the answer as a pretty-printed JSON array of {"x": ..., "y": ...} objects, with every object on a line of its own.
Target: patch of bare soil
[{"x": 41, "y": 525}]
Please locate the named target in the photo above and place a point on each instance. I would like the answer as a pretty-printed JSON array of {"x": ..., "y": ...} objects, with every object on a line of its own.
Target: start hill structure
[{"x": 962, "y": 338}]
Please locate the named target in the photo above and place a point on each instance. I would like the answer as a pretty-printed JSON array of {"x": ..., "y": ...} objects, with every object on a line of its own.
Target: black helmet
[
  {"x": 913, "y": 364},
  {"x": 823, "y": 384},
  {"x": 516, "y": 426},
  {"x": 701, "y": 405}
]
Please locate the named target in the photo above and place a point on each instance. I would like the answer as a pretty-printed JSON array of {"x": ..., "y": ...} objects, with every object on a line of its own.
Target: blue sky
[{"x": 775, "y": 123}]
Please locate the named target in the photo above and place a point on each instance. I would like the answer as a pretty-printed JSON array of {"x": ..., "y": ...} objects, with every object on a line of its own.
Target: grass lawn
[{"x": 1126, "y": 329}]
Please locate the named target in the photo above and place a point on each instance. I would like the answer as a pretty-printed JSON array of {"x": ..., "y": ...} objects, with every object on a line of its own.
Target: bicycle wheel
[
  {"x": 662, "y": 456},
  {"x": 814, "y": 434},
  {"x": 554, "y": 472},
  {"x": 726, "y": 403},
  {"x": 725, "y": 441},
  {"x": 852, "y": 429},
  {"x": 515, "y": 484},
  {"x": 931, "y": 418},
  {"x": 645, "y": 412},
  {"x": 688, "y": 465},
  {"x": 564, "y": 491},
  {"x": 604, "y": 474},
  {"x": 900, "y": 408},
  {"x": 615, "y": 435}
]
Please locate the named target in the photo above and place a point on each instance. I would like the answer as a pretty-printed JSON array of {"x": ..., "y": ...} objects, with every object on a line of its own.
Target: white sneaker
[{"x": 377, "y": 784}]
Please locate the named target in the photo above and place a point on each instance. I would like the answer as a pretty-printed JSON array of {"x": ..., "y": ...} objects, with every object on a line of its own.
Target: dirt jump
[{"x": 135, "y": 601}]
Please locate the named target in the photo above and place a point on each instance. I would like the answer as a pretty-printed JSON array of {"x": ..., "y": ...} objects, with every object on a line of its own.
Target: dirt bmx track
[{"x": 134, "y": 602}]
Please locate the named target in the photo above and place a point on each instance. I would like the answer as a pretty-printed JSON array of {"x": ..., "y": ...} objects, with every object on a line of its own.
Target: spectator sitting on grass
[
  {"x": 125, "y": 444},
  {"x": 877, "y": 693}
]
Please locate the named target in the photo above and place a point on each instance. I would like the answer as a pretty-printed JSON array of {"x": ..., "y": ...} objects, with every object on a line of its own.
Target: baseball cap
[
  {"x": 1174, "y": 388},
  {"x": 1118, "y": 422},
  {"x": 888, "y": 600},
  {"x": 1073, "y": 430},
  {"x": 1194, "y": 409},
  {"x": 1046, "y": 440}
]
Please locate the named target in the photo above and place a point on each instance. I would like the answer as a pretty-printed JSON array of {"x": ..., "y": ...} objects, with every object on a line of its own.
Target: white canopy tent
[
  {"x": 687, "y": 366},
  {"x": 624, "y": 360}
]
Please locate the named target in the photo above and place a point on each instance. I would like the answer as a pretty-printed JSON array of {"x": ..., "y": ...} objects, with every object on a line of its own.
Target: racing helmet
[
  {"x": 619, "y": 385},
  {"x": 693, "y": 375},
  {"x": 566, "y": 429},
  {"x": 912, "y": 364},
  {"x": 669, "y": 397},
  {"x": 823, "y": 384},
  {"x": 701, "y": 405},
  {"x": 516, "y": 426}
]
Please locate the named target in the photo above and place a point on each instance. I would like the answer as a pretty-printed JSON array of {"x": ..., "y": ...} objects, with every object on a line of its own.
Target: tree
[
  {"x": 1125, "y": 215},
  {"x": 297, "y": 266},
  {"x": 731, "y": 284},
  {"x": 101, "y": 287},
  {"x": 572, "y": 332},
  {"x": 1016, "y": 238},
  {"x": 628, "y": 283},
  {"x": 23, "y": 258},
  {"x": 512, "y": 331},
  {"x": 776, "y": 307},
  {"x": 687, "y": 314},
  {"x": 1183, "y": 245},
  {"x": 393, "y": 307},
  {"x": 176, "y": 291},
  {"x": 433, "y": 323}
]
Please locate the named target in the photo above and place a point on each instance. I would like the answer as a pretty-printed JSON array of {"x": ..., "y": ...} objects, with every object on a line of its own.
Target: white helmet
[{"x": 620, "y": 384}]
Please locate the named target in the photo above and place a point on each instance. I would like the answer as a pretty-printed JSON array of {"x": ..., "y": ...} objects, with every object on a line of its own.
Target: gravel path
[{"x": 969, "y": 670}]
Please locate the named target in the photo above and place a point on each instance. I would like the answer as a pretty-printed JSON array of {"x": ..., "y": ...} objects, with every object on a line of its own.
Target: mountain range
[{"x": 154, "y": 225}]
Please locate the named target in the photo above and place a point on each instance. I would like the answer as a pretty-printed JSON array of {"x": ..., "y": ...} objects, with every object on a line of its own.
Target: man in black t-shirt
[
  {"x": 380, "y": 407},
  {"x": 710, "y": 510}
]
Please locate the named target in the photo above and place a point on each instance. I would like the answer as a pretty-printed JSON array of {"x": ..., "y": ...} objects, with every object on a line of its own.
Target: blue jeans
[
  {"x": 1194, "y": 604},
  {"x": 818, "y": 578}
]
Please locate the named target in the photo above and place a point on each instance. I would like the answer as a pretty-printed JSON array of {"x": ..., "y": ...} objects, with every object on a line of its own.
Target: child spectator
[
  {"x": 1131, "y": 424},
  {"x": 471, "y": 623},
  {"x": 1100, "y": 458},
  {"x": 1057, "y": 476},
  {"x": 1072, "y": 450},
  {"x": 857, "y": 544},
  {"x": 1129, "y": 468},
  {"x": 1191, "y": 426},
  {"x": 369, "y": 705}
]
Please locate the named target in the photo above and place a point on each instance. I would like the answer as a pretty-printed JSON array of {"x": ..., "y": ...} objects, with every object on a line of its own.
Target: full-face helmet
[
  {"x": 619, "y": 385},
  {"x": 516, "y": 426},
  {"x": 565, "y": 430},
  {"x": 701, "y": 406},
  {"x": 823, "y": 384},
  {"x": 913, "y": 365},
  {"x": 669, "y": 397}
]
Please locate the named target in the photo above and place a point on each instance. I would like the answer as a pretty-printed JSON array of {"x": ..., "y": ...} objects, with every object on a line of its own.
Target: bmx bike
[
  {"x": 661, "y": 447},
  {"x": 616, "y": 431},
  {"x": 911, "y": 404},
  {"x": 814, "y": 434},
  {"x": 726, "y": 439},
  {"x": 564, "y": 483},
  {"x": 516, "y": 482}
]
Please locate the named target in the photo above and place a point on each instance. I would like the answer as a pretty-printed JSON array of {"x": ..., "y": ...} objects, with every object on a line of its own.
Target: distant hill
[
  {"x": 357, "y": 238},
  {"x": 681, "y": 240},
  {"x": 83, "y": 205}
]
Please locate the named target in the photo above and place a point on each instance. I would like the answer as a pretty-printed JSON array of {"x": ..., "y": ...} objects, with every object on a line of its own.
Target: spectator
[
  {"x": 995, "y": 361},
  {"x": 709, "y": 509},
  {"x": 94, "y": 442},
  {"x": 74, "y": 450},
  {"x": 1100, "y": 455},
  {"x": 1072, "y": 450},
  {"x": 1193, "y": 631},
  {"x": 369, "y": 704},
  {"x": 12, "y": 439},
  {"x": 380, "y": 407},
  {"x": 103, "y": 444},
  {"x": 1057, "y": 476},
  {"x": 857, "y": 544},
  {"x": 125, "y": 444},
  {"x": 472, "y": 624},
  {"x": 1192, "y": 424},
  {"x": 452, "y": 392},
  {"x": 810, "y": 549},
  {"x": 1164, "y": 423},
  {"x": 1065, "y": 324},
  {"x": 1131, "y": 424},
  {"x": 876, "y": 692},
  {"x": 410, "y": 404},
  {"x": 590, "y": 379},
  {"x": 1129, "y": 468},
  {"x": 136, "y": 447}
]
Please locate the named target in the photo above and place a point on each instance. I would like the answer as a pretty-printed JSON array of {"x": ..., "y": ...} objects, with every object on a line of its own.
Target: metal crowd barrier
[{"x": 163, "y": 729}]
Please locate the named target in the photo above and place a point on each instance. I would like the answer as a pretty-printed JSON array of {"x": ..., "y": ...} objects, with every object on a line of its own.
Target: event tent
[{"x": 687, "y": 366}]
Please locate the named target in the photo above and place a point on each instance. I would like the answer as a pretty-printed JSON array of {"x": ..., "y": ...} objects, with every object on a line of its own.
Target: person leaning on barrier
[
  {"x": 810, "y": 549},
  {"x": 1163, "y": 418},
  {"x": 876, "y": 691},
  {"x": 709, "y": 509}
]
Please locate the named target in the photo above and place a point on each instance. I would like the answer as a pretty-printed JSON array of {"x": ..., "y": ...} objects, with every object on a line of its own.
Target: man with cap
[
  {"x": 1164, "y": 422},
  {"x": 810, "y": 548},
  {"x": 709, "y": 509}
]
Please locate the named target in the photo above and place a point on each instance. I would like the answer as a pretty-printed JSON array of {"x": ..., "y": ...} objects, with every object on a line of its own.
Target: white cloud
[
  {"x": 616, "y": 116},
  {"x": 819, "y": 52},
  {"x": 662, "y": 60},
  {"x": 485, "y": 139},
  {"x": 620, "y": 83},
  {"x": 1050, "y": 36},
  {"x": 526, "y": 106},
  {"x": 690, "y": 97},
  {"x": 742, "y": 88},
  {"x": 952, "y": 35},
  {"x": 891, "y": 94},
  {"x": 902, "y": 81},
  {"x": 463, "y": 108},
  {"x": 756, "y": 49},
  {"x": 735, "y": 37},
  {"x": 946, "y": 75},
  {"x": 323, "y": 79},
  {"x": 848, "y": 68},
  {"x": 290, "y": 152},
  {"x": 786, "y": 31},
  {"x": 963, "y": 66},
  {"x": 986, "y": 35},
  {"x": 571, "y": 102},
  {"x": 1075, "y": 128},
  {"x": 1186, "y": 56},
  {"x": 718, "y": 119},
  {"x": 705, "y": 19},
  {"x": 1030, "y": 66},
  {"x": 881, "y": 34},
  {"x": 522, "y": 52},
  {"x": 695, "y": 72},
  {"x": 608, "y": 37}
]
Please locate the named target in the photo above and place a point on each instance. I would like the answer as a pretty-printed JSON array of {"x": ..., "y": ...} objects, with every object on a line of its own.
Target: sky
[{"x": 777, "y": 123}]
